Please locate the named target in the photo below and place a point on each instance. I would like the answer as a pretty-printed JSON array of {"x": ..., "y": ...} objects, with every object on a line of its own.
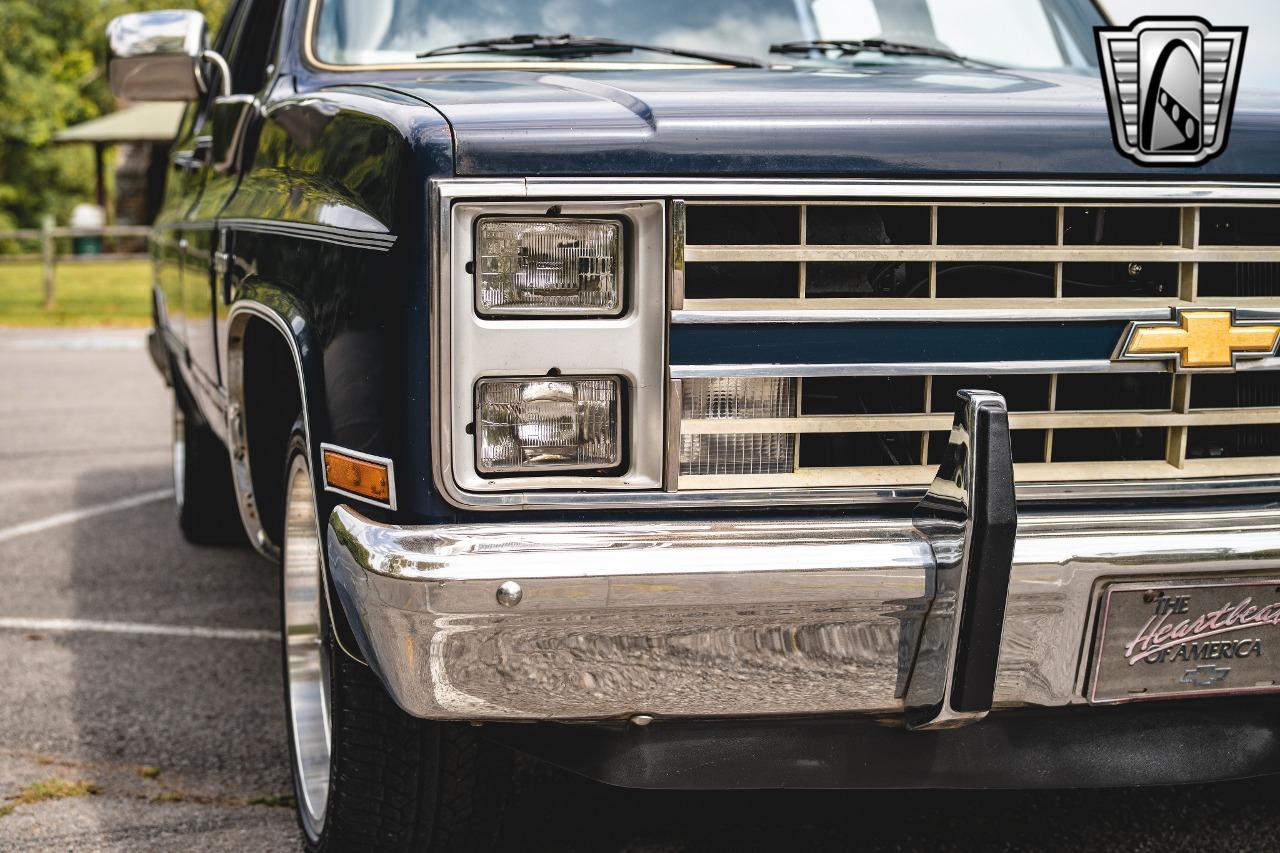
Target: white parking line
[
  {"x": 125, "y": 341},
  {"x": 135, "y": 628},
  {"x": 51, "y": 521}
]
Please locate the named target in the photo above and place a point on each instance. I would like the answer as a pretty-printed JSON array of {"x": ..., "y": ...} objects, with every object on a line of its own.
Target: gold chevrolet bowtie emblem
[{"x": 1199, "y": 339}]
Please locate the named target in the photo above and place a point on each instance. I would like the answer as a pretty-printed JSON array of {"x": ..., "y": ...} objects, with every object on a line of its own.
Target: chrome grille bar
[
  {"x": 718, "y": 292},
  {"x": 1146, "y": 479}
]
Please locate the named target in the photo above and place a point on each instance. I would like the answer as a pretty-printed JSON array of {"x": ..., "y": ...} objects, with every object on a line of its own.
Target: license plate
[{"x": 1156, "y": 641}]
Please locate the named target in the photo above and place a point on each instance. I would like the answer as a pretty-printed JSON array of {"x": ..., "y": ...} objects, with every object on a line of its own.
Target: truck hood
[{"x": 887, "y": 122}]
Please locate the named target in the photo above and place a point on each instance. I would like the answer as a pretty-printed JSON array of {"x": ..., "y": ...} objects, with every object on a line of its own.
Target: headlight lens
[
  {"x": 549, "y": 266},
  {"x": 534, "y": 425}
]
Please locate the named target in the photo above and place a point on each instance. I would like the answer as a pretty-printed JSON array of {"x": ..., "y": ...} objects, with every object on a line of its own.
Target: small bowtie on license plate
[{"x": 1186, "y": 639}]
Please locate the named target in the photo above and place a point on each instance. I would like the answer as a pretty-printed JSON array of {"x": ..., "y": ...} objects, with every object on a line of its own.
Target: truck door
[
  {"x": 246, "y": 41},
  {"x": 168, "y": 243},
  {"x": 199, "y": 240}
]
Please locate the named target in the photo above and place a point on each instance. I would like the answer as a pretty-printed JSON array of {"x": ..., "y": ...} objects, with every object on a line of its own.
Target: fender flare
[{"x": 283, "y": 312}]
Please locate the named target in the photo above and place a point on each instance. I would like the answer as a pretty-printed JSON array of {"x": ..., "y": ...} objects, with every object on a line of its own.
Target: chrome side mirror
[{"x": 160, "y": 56}]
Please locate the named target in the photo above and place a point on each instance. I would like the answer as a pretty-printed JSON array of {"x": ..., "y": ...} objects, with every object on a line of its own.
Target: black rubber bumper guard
[{"x": 970, "y": 518}]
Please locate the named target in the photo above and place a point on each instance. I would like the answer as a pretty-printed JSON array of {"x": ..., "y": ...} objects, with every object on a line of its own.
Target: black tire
[
  {"x": 395, "y": 782},
  {"x": 202, "y": 484}
]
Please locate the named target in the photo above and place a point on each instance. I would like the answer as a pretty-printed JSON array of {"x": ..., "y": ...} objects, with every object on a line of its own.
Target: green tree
[{"x": 52, "y": 75}]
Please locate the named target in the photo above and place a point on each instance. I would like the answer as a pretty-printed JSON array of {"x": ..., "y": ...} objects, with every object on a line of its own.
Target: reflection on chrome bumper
[{"x": 741, "y": 618}]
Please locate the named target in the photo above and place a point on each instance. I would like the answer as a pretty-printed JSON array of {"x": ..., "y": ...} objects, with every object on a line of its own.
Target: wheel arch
[
  {"x": 269, "y": 323},
  {"x": 268, "y": 330}
]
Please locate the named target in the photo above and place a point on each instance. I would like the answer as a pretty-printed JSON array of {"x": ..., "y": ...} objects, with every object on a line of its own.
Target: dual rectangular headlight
[
  {"x": 550, "y": 327},
  {"x": 553, "y": 266},
  {"x": 548, "y": 424}
]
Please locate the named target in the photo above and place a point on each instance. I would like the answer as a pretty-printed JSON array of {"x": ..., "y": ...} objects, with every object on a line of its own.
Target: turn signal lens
[
  {"x": 549, "y": 266},
  {"x": 537, "y": 425},
  {"x": 739, "y": 398},
  {"x": 358, "y": 476},
  {"x": 744, "y": 453}
]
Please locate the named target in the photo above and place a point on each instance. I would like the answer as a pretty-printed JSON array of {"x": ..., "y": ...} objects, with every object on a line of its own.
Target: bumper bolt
[{"x": 509, "y": 594}]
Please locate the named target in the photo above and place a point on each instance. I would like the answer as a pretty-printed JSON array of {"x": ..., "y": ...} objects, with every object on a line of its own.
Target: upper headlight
[{"x": 553, "y": 266}]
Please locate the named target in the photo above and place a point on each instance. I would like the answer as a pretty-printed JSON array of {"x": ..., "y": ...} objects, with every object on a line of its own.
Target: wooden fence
[{"x": 48, "y": 235}]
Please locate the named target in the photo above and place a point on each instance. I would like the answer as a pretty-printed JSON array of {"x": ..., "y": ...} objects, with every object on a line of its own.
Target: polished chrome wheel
[
  {"x": 307, "y": 661},
  {"x": 179, "y": 455}
]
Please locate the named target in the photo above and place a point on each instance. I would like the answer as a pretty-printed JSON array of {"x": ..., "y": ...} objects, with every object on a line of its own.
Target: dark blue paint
[
  {"x": 879, "y": 343},
  {"x": 371, "y": 142},
  {"x": 884, "y": 122},
  {"x": 938, "y": 121}
]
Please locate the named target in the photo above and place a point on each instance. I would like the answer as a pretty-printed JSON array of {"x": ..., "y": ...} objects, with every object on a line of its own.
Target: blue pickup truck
[{"x": 734, "y": 394}]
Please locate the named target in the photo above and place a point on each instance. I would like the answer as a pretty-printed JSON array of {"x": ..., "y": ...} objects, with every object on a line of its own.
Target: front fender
[{"x": 280, "y": 310}]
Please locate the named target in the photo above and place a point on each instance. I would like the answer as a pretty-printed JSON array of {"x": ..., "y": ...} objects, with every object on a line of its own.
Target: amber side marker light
[{"x": 368, "y": 477}]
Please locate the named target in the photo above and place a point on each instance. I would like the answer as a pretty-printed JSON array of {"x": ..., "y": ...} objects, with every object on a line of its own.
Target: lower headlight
[{"x": 561, "y": 424}]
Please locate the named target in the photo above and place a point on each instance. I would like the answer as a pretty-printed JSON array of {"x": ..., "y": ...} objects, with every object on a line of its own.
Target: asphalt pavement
[{"x": 140, "y": 694}]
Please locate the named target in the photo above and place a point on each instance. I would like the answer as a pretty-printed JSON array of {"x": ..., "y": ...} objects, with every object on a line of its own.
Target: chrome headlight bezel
[{"x": 630, "y": 346}]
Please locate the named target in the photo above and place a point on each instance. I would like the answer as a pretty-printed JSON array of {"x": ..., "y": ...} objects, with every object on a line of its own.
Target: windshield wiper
[
  {"x": 568, "y": 45},
  {"x": 852, "y": 47}
]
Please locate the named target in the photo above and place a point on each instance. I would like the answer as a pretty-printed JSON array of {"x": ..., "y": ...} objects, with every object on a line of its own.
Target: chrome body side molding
[{"x": 349, "y": 237}]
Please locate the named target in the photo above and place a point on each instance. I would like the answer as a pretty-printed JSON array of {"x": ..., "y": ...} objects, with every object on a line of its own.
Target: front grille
[{"x": 858, "y": 322}]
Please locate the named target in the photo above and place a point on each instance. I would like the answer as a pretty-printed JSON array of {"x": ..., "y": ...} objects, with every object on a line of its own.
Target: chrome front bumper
[{"x": 737, "y": 618}]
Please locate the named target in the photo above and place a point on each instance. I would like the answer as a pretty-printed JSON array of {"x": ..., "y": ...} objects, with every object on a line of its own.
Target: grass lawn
[{"x": 112, "y": 293}]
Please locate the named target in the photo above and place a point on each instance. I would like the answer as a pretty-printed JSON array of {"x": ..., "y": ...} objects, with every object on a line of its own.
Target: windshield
[{"x": 1050, "y": 34}]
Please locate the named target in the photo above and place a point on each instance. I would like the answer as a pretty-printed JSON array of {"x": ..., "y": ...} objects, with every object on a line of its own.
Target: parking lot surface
[{"x": 140, "y": 696}]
